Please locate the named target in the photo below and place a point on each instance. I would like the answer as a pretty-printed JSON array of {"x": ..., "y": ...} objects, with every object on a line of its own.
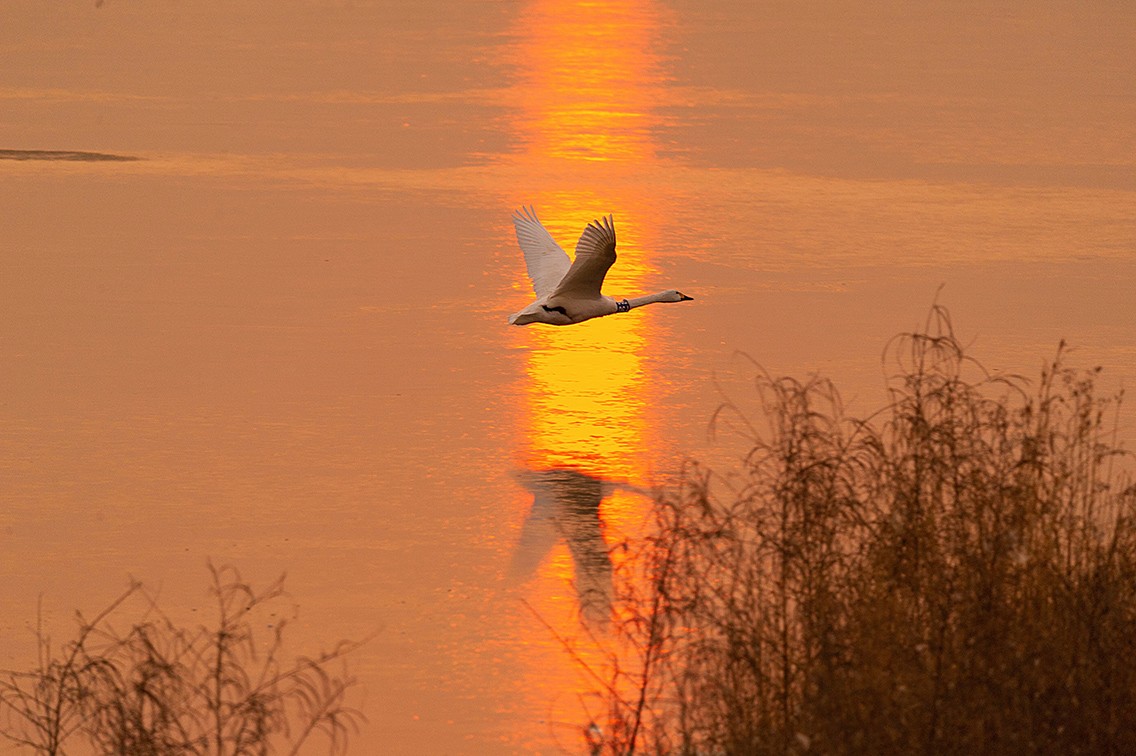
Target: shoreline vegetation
[
  {"x": 955, "y": 574},
  {"x": 158, "y": 688}
]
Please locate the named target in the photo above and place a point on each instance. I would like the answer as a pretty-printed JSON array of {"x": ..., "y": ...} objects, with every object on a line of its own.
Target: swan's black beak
[{"x": 684, "y": 298}]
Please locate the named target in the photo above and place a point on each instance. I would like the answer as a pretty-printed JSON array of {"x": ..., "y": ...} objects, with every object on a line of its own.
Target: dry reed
[
  {"x": 159, "y": 689},
  {"x": 954, "y": 575}
]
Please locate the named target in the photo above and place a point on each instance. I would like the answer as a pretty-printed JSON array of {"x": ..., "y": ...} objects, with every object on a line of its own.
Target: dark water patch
[{"x": 62, "y": 155}]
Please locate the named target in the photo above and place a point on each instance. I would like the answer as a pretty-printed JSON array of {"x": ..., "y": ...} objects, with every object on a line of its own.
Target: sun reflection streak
[
  {"x": 589, "y": 79},
  {"x": 588, "y": 74}
]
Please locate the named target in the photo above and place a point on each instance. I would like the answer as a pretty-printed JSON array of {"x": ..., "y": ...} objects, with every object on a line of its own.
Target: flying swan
[{"x": 569, "y": 292}]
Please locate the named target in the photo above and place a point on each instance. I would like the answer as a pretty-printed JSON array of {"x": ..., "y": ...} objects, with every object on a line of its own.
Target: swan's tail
[{"x": 530, "y": 314}]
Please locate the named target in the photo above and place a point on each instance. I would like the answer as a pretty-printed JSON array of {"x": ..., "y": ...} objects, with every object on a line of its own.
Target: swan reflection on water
[{"x": 566, "y": 506}]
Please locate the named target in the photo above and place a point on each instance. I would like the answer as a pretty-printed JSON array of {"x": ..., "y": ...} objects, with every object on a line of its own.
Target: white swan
[{"x": 569, "y": 292}]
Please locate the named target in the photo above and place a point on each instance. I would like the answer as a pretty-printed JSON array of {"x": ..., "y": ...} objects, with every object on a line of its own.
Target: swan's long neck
[{"x": 634, "y": 302}]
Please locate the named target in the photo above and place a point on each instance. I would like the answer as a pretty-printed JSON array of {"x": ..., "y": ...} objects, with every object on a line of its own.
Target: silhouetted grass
[
  {"x": 954, "y": 575},
  {"x": 157, "y": 688}
]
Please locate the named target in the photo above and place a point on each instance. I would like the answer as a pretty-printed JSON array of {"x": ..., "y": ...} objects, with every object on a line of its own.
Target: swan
[{"x": 569, "y": 292}]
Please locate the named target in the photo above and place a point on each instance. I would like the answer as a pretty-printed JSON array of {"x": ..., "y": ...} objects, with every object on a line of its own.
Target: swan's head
[{"x": 670, "y": 295}]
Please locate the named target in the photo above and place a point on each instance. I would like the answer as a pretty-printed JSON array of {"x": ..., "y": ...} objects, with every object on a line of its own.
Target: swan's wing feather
[
  {"x": 545, "y": 260},
  {"x": 595, "y": 254}
]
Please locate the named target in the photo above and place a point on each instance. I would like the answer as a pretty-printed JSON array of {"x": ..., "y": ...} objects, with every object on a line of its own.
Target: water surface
[{"x": 277, "y": 339}]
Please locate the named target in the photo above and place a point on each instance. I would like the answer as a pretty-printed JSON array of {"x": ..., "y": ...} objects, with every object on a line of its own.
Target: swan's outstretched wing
[
  {"x": 595, "y": 253},
  {"x": 545, "y": 260}
]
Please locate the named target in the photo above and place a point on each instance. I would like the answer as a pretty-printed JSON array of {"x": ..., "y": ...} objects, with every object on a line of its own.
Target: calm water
[{"x": 278, "y": 338}]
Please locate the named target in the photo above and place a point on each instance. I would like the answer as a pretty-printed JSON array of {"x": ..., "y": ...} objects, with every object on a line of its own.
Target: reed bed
[
  {"x": 157, "y": 689},
  {"x": 954, "y": 575}
]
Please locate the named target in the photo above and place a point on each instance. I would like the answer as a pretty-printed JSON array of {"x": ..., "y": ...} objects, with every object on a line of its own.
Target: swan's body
[{"x": 568, "y": 292}]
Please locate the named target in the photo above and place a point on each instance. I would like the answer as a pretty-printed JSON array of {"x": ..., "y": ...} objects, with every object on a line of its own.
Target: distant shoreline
[{"x": 62, "y": 155}]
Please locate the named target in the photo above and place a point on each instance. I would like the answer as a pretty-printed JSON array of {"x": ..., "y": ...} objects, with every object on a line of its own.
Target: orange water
[{"x": 278, "y": 339}]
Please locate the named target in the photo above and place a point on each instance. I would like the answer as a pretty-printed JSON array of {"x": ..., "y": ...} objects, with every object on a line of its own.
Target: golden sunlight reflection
[
  {"x": 590, "y": 79},
  {"x": 587, "y": 72}
]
